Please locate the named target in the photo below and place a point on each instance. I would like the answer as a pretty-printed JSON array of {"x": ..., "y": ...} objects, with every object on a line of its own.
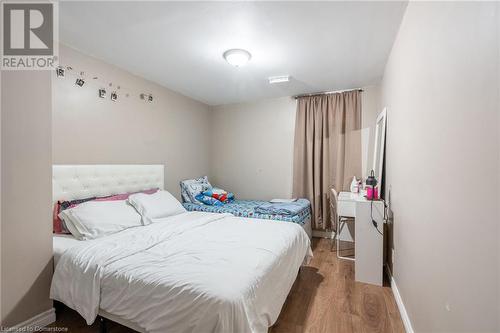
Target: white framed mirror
[{"x": 378, "y": 151}]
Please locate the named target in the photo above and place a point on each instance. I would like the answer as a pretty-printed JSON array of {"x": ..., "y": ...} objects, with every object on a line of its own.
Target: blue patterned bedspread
[{"x": 246, "y": 208}]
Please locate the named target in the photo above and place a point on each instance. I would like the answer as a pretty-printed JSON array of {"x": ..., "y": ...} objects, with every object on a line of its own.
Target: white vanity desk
[{"x": 369, "y": 243}]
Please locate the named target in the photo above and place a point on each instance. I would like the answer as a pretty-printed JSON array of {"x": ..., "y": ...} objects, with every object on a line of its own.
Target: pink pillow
[
  {"x": 124, "y": 196},
  {"x": 57, "y": 224}
]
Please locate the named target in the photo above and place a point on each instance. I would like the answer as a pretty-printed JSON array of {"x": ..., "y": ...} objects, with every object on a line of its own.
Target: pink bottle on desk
[
  {"x": 372, "y": 193},
  {"x": 371, "y": 187},
  {"x": 369, "y": 192}
]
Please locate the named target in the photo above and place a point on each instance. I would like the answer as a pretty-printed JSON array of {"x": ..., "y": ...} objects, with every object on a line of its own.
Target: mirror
[{"x": 378, "y": 151}]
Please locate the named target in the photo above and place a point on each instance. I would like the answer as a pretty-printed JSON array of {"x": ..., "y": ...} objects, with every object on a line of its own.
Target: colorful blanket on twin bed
[{"x": 246, "y": 208}]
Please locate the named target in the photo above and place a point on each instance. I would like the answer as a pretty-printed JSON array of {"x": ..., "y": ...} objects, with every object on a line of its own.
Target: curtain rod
[{"x": 326, "y": 93}]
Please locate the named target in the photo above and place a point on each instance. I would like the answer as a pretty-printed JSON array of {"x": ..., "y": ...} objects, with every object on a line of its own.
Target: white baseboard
[
  {"x": 402, "y": 310},
  {"x": 39, "y": 321}
]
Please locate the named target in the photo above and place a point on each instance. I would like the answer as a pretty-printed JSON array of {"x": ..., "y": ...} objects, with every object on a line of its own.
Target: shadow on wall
[
  {"x": 389, "y": 232},
  {"x": 39, "y": 290}
]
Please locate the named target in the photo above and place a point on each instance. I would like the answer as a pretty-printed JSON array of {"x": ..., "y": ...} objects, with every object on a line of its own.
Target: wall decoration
[
  {"x": 146, "y": 97},
  {"x": 60, "y": 71},
  {"x": 80, "y": 81},
  {"x": 102, "y": 93}
]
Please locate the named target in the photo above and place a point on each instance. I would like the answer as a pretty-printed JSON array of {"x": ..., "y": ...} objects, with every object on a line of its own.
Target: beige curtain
[{"x": 327, "y": 150}]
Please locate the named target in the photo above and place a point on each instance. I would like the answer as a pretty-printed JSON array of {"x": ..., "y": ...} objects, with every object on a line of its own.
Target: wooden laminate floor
[{"x": 324, "y": 299}]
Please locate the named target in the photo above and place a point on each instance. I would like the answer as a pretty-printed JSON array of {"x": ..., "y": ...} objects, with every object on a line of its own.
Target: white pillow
[
  {"x": 70, "y": 226},
  {"x": 154, "y": 206},
  {"x": 94, "y": 219}
]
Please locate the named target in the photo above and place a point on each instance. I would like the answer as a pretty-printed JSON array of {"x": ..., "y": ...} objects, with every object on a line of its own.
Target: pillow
[
  {"x": 57, "y": 223},
  {"x": 219, "y": 194},
  {"x": 159, "y": 205},
  {"x": 60, "y": 227},
  {"x": 125, "y": 196},
  {"x": 208, "y": 200},
  {"x": 94, "y": 219},
  {"x": 190, "y": 188},
  {"x": 68, "y": 225}
]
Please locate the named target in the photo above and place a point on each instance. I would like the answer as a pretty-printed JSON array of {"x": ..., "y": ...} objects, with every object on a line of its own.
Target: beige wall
[
  {"x": 440, "y": 88},
  {"x": 498, "y": 115},
  {"x": 26, "y": 261},
  {"x": 252, "y": 154},
  {"x": 371, "y": 107},
  {"x": 1, "y": 313},
  {"x": 173, "y": 130},
  {"x": 252, "y": 148}
]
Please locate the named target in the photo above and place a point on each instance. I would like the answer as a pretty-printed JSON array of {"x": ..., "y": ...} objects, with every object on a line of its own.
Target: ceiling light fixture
[
  {"x": 278, "y": 79},
  {"x": 237, "y": 57}
]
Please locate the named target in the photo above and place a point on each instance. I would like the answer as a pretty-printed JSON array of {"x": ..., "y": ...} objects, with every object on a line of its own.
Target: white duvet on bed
[{"x": 193, "y": 272}]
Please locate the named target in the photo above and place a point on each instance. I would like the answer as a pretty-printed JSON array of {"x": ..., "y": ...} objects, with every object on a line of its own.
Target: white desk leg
[{"x": 369, "y": 243}]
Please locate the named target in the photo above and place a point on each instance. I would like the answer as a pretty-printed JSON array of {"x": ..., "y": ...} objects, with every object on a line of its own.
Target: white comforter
[{"x": 194, "y": 272}]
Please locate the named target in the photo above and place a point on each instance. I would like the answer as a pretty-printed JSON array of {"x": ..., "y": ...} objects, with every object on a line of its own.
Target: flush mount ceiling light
[{"x": 237, "y": 57}]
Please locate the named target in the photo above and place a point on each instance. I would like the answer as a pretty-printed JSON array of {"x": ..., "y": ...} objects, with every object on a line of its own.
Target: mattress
[
  {"x": 61, "y": 243},
  {"x": 246, "y": 208},
  {"x": 189, "y": 272}
]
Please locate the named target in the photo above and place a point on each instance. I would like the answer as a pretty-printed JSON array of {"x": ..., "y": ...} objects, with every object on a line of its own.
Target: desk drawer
[{"x": 346, "y": 208}]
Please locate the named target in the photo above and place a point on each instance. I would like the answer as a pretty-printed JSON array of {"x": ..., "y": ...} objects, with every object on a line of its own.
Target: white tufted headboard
[{"x": 70, "y": 182}]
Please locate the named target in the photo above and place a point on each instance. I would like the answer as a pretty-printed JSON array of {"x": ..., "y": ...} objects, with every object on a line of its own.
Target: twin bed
[
  {"x": 247, "y": 208},
  {"x": 190, "y": 272}
]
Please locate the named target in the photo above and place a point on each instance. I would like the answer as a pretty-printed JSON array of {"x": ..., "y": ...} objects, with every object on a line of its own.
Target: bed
[
  {"x": 195, "y": 271},
  {"x": 246, "y": 208}
]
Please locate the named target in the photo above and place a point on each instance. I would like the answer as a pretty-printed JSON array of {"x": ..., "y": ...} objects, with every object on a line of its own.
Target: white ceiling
[{"x": 323, "y": 46}]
